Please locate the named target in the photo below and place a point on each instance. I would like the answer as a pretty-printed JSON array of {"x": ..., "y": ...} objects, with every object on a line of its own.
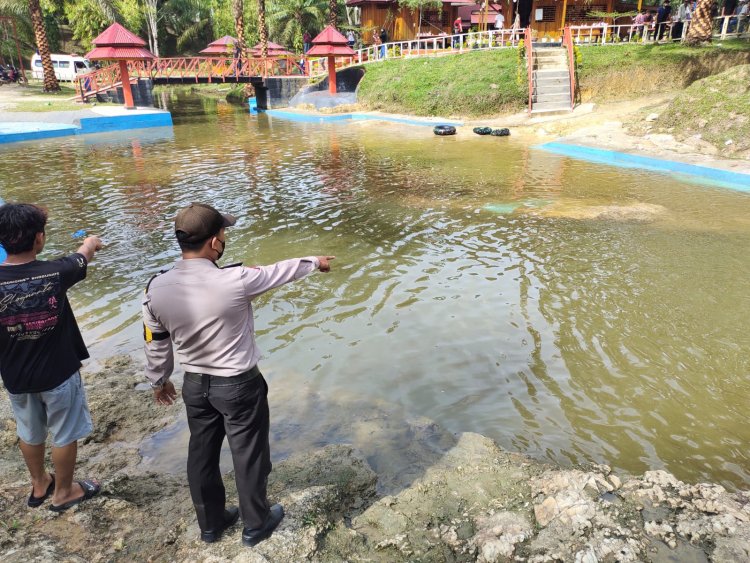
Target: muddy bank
[{"x": 465, "y": 500}]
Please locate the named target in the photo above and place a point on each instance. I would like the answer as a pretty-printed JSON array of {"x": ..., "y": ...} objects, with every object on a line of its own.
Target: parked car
[{"x": 66, "y": 66}]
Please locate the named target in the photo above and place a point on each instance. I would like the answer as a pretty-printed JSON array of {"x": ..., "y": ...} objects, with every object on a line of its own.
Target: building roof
[
  {"x": 330, "y": 36},
  {"x": 274, "y": 50},
  {"x": 221, "y": 46},
  {"x": 330, "y": 51},
  {"x": 116, "y": 43},
  {"x": 226, "y": 40},
  {"x": 116, "y": 35},
  {"x": 117, "y": 53}
]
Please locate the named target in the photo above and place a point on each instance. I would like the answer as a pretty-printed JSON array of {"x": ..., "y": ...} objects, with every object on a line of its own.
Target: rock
[
  {"x": 652, "y": 117},
  {"x": 497, "y": 535},
  {"x": 615, "y": 481},
  {"x": 728, "y": 142}
]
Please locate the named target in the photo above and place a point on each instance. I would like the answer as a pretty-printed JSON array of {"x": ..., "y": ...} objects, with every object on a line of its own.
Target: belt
[{"x": 220, "y": 381}]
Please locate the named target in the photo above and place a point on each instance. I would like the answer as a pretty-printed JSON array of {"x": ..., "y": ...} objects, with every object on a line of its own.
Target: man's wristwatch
[{"x": 159, "y": 384}]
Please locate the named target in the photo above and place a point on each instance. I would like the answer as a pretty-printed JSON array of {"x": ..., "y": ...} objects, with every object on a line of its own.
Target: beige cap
[{"x": 199, "y": 221}]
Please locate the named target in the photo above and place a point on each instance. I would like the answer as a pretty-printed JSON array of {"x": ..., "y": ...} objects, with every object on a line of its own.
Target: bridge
[{"x": 190, "y": 70}]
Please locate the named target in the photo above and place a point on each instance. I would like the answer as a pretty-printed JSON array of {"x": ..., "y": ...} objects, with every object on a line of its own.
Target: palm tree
[
  {"x": 262, "y": 29},
  {"x": 291, "y": 18},
  {"x": 701, "y": 24},
  {"x": 333, "y": 7},
  {"x": 238, "y": 7},
  {"x": 40, "y": 34}
]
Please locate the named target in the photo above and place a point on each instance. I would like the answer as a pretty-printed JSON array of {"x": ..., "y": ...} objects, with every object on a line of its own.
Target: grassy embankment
[
  {"x": 34, "y": 98},
  {"x": 485, "y": 83},
  {"x": 622, "y": 72},
  {"x": 717, "y": 108}
]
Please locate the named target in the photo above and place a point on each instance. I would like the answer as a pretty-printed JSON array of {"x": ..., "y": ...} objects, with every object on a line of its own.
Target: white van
[{"x": 66, "y": 66}]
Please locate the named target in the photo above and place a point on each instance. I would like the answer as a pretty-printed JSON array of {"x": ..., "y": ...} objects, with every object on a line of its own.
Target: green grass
[
  {"x": 621, "y": 72},
  {"x": 622, "y": 57},
  {"x": 472, "y": 85},
  {"x": 717, "y": 108}
]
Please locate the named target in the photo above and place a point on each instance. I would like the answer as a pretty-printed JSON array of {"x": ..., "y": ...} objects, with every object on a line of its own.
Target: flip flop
[
  {"x": 90, "y": 490},
  {"x": 33, "y": 501}
]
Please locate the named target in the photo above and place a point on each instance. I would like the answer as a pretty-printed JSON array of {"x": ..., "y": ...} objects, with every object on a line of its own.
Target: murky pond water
[{"x": 572, "y": 311}]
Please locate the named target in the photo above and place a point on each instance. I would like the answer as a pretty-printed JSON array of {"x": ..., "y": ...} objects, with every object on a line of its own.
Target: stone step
[
  {"x": 546, "y": 75},
  {"x": 550, "y": 107},
  {"x": 553, "y": 88},
  {"x": 550, "y": 53},
  {"x": 539, "y": 65},
  {"x": 543, "y": 97}
]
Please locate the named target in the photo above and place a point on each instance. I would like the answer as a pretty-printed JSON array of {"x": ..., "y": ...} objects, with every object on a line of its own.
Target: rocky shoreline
[{"x": 473, "y": 502}]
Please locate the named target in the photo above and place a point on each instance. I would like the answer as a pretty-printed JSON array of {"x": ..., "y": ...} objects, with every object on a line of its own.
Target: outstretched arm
[{"x": 260, "y": 279}]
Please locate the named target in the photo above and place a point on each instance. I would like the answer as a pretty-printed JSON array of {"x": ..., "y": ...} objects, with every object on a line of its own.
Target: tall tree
[
  {"x": 238, "y": 7},
  {"x": 262, "y": 29},
  {"x": 290, "y": 19},
  {"x": 152, "y": 25},
  {"x": 333, "y": 8},
  {"x": 701, "y": 24},
  {"x": 40, "y": 34}
]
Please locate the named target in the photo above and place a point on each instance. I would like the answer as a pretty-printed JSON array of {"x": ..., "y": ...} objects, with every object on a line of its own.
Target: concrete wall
[
  {"x": 142, "y": 94},
  {"x": 275, "y": 93}
]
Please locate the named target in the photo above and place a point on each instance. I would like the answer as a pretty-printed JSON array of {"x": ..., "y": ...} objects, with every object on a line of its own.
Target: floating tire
[
  {"x": 504, "y": 132},
  {"x": 444, "y": 130},
  {"x": 482, "y": 130}
]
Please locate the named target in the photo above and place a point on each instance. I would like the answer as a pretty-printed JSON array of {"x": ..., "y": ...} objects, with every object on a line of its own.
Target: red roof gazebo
[
  {"x": 274, "y": 50},
  {"x": 118, "y": 44},
  {"x": 331, "y": 44},
  {"x": 222, "y": 46}
]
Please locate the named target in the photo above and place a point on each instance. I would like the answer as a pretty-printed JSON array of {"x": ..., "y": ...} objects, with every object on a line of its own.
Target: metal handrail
[
  {"x": 424, "y": 47},
  {"x": 568, "y": 44},
  {"x": 529, "y": 63},
  {"x": 605, "y": 34}
]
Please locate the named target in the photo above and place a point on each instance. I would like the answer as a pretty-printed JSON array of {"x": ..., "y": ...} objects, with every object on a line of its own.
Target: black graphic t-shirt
[{"x": 40, "y": 344}]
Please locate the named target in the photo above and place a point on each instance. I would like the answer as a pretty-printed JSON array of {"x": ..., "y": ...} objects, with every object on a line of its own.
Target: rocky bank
[{"x": 474, "y": 502}]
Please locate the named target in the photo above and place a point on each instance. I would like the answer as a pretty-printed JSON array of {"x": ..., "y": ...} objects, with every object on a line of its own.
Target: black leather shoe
[
  {"x": 231, "y": 515},
  {"x": 251, "y": 537}
]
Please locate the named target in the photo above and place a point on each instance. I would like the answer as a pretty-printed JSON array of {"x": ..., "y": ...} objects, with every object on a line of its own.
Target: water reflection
[{"x": 465, "y": 289}]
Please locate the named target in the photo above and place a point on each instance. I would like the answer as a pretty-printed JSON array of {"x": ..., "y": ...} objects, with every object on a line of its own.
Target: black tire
[
  {"x": 482, "y": 130},
  {"x": 501, "y": 132},
  {"x": 444, "y": 130}
]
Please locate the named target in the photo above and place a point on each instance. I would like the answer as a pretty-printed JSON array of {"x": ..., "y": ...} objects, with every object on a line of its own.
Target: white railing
[
  {"x": 724, "y": 27},
  {"x": 425, "y": 47}
]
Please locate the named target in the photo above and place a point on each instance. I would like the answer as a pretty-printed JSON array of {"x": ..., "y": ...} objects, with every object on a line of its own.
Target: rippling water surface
[{"x": 479, "y": 282}]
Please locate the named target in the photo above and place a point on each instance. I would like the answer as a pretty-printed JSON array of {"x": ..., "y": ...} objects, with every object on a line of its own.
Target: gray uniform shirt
[{"x": 206, "y": 312}]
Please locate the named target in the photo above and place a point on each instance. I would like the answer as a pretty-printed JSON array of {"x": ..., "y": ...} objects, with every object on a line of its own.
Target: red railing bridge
[{"x": 190, "y": 70}]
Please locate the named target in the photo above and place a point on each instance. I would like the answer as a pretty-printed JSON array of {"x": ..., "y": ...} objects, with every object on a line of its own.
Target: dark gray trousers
[{"x": 235, "y": 407}]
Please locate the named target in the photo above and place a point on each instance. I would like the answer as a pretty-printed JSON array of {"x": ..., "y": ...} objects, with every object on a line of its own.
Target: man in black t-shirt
[{"x": 41, "y": 350}]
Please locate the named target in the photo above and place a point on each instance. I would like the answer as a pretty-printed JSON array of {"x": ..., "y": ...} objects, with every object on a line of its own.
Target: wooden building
[
  {"x": 544, "y": 16},
  {"x": 402, "y": 23}
]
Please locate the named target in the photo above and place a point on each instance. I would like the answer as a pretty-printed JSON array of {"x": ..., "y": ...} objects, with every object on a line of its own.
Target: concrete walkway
[{"x": 18, "y": 126}]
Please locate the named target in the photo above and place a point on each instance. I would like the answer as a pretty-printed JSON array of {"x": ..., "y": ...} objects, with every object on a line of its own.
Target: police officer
[{"x": 205, "y": 312}]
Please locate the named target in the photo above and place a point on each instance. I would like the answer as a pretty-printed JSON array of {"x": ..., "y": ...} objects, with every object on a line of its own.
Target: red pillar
[
  {"x": 126, "y": 92},
  {"x": 331, "y": 75}
]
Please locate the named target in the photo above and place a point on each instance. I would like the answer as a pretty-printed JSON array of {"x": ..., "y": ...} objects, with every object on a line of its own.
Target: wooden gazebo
[
  {"x": 331, "y": 44},
  {"x": 222, "y": 46},
  {"x": 118, "y": 44}
]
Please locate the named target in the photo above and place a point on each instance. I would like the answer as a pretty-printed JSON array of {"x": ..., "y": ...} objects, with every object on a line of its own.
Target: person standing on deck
[
  {"x": 458, "y": 29},
  {"x": 306, "y": 42},
  {"x": 205, "y": 311},
  {"x": 499, "y": 18},
  {"x": 662, "y": 17},
  {"x": 41, "y": 350}
]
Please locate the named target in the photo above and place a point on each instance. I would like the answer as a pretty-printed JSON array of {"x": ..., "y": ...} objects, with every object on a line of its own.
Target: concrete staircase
[{"x": 550, "y": 80}]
